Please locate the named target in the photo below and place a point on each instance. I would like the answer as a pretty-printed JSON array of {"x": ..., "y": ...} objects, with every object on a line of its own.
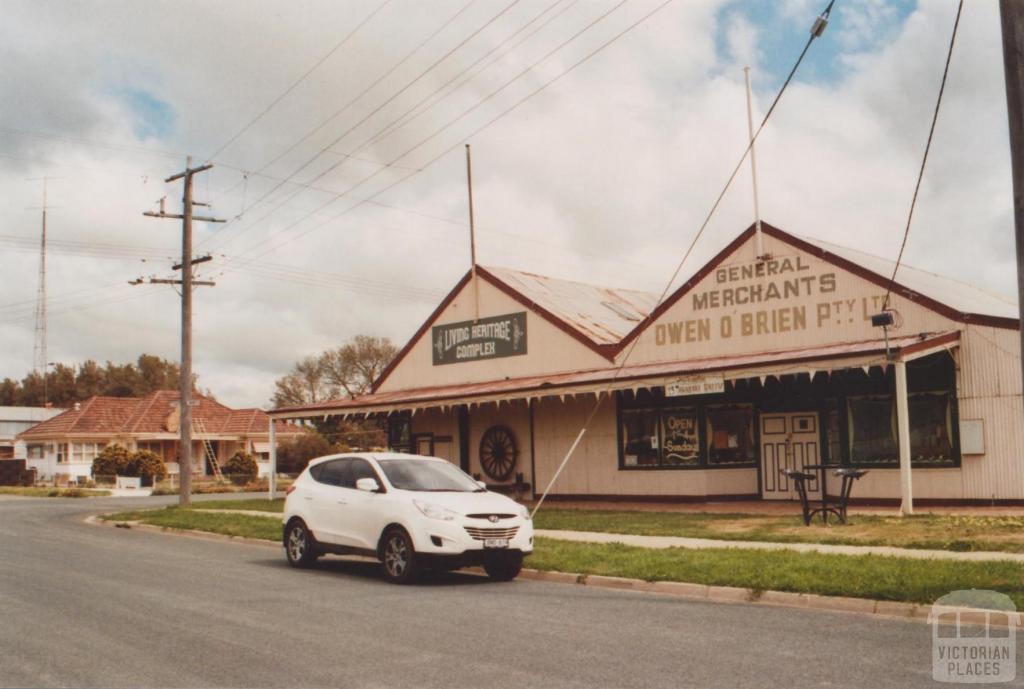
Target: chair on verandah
[
  {"x": 800, "y": 479},
  {"x": 848, "y": 476}
]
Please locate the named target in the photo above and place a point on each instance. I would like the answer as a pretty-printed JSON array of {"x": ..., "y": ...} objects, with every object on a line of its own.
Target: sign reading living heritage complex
[
  {"x": 766, "y": 298},
  {"x": 487, "y": 338}
]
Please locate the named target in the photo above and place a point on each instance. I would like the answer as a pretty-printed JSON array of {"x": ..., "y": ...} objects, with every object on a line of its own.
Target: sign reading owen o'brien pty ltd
[{"x": 487, "y": 338}]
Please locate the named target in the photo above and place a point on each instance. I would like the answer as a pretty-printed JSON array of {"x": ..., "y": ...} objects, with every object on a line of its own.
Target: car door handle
[
  {"x": 309, "y": 497},
  {"x": 342, "y": 502}
]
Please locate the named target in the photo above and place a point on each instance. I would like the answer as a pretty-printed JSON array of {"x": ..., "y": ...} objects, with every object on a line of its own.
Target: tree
[
  {"x": 294, "y": 454},
  {"x": 65, "y": 385},
  {"x": 89, "y": 380},
  {"x": 349, "y": 370},
  {"x": 60, "y": 386},
  {"x": 306, "y": 383},
  {"x": 9, "y": 392},
  {"x": 354, "y": 367}
]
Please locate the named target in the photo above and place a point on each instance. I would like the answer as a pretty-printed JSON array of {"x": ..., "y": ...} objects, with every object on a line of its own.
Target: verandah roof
[{"x": 594, "y": 381}]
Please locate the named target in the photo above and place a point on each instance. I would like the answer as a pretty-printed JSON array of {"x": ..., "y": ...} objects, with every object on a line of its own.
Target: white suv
[{"x": 408, "y": 511}]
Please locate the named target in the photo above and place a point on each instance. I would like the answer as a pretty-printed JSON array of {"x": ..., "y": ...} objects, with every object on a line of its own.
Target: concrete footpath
[{"x": 684, "y": 542}]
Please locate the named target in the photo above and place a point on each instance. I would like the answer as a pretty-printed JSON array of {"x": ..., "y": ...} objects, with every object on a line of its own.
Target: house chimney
[{"x": 78, "y": 406}]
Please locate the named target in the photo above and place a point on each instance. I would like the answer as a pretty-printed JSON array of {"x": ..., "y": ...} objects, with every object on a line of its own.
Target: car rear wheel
[
  {"x": 299, "y": 546},
  {"x": 399, "y": 557},
  {"x": 503, "y": 566}
]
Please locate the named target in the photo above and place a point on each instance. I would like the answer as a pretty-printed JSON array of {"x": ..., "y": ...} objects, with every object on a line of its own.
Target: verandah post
[{"x": 903, "y": 435}]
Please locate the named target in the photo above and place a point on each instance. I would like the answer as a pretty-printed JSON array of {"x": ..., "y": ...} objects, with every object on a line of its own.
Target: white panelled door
[{"x": 790, "y": 440}]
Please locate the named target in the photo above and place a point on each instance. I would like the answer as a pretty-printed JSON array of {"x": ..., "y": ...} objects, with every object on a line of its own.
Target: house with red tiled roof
[{"x": 69, "y": 442}]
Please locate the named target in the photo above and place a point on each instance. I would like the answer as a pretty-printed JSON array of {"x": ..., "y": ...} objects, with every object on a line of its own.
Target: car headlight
[
  {"x": 435, "y": 511},
  {"x": 524, "y": 512}
]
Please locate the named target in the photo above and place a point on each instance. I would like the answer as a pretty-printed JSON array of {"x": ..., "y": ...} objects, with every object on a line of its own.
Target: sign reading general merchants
[
  {"x": 695, "y": 386},
  {"x": 488, "y": 338}
]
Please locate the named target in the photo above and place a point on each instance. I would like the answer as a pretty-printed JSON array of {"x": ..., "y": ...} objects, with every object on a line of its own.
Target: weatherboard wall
[
  {"x": 443, "y": 423},
  {"x": 593, "y": 469},
  {"x": 550, "y": 349},
  {"x": 797, "y": 301}
]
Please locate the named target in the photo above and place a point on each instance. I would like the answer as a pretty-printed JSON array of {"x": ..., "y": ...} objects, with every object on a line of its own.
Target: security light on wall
[{"x": 882, "y": 320}]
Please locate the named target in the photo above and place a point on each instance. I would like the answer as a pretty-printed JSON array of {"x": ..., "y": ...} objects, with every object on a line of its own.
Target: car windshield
[{"x": 420, "y": 475}]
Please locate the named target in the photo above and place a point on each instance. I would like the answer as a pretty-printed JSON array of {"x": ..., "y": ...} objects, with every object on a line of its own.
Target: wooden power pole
[
  {"x": 1012, "y": 15},
  {"x": 187, "y": 285}
]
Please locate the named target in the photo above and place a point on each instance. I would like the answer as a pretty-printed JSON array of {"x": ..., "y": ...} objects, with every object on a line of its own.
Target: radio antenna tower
[{"x": 39, "y": 350}]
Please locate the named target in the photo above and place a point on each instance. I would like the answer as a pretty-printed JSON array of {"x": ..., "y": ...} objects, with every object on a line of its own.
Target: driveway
[{"x": 90, "y": 606}]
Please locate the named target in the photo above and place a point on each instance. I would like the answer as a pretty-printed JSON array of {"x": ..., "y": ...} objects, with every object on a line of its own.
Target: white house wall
[{"x": 549, "y": 349}]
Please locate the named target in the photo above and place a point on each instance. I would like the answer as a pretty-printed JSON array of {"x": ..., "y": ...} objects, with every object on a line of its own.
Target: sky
[{"x": 336, "y": 131}]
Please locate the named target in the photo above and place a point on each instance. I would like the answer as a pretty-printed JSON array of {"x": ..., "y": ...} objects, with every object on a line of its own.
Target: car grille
[
  {"x": 480, "y": 534},
  {"x": 486, "y": 515}
]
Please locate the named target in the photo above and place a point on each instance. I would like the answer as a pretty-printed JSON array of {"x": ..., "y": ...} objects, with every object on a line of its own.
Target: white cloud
[{"x": 603, "y": 177}]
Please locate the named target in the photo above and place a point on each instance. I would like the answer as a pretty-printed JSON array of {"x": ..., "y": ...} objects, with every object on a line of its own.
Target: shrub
[
  {"x": 148, "y": 465},
  {"x": 114, "y": 460},
  {"x": 241, "y": 468},
  {"x": 293, "y": 455}
]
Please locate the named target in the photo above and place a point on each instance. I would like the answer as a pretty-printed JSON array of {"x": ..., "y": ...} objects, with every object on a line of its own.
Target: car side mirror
[
  {"x": 482, "y": 484},
  {"x": 369, "y": 485}
]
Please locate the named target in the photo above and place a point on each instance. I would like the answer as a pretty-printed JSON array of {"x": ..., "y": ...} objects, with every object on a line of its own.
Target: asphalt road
[{"x": 87, "y": 606}]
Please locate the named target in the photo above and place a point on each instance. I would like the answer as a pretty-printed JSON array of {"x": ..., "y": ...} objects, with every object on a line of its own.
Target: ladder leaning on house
[{"x": 199, "y": 427}]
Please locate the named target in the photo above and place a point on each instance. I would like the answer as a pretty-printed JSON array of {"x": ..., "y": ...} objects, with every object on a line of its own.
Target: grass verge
[
  {"x": 38, "y": 492},
  {"x": 266, "y": 528},
  {"x": 256, "y": 504},
  {"x": 863, "y": 576},
  {"x": 928, "y": 531}
]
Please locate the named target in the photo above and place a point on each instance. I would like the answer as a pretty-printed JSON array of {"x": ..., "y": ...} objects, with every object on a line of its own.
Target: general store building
[{"x": 751, "y": 366}]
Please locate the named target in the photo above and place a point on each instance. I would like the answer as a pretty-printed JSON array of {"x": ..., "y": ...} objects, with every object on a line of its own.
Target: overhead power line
[
  {"x": 816, "y": 31},
  {"x": 341, "y": 137},
  {"x": 544, "y": 85},
  {"x": 284, "y": 94},
  {"x": 924, "y": 158}
]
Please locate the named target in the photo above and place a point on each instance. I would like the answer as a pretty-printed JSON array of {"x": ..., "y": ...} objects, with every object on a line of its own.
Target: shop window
[
  {"x": 640, "y": 437},
  {"x": 680, "y": 439},
  {"x": 931, "y": 424},
  {"x": 872, "y": 423},
  {"x": 833, "y": 431},
  {"x": 731, "y": 435},
  {"x": 873, "y": 430},
  {"x": 400, "y": 433}
]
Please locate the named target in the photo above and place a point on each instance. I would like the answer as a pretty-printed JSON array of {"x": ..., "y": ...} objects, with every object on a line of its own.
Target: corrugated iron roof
[
  {"x": 824, "y": 357},
  {"x": 603, "y": 314},
  {"x": 955, "y": 294}
]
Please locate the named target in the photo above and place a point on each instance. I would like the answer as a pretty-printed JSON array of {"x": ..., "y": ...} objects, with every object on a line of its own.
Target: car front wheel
[
  {"x": 503, "y": 566},
  {"x": 399, "y": 557},
  {"x": 299, "y": 546}
]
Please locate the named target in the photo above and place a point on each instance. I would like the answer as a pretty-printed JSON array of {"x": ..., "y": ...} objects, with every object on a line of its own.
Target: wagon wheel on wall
[{"x": 498, "y": 453}]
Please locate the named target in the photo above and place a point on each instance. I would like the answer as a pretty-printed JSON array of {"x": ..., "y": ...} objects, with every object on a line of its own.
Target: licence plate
[{"x": 495, "y": 542}]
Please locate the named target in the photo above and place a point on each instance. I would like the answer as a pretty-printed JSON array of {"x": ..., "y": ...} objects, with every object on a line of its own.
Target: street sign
[{"x": 703, "y": 385}]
